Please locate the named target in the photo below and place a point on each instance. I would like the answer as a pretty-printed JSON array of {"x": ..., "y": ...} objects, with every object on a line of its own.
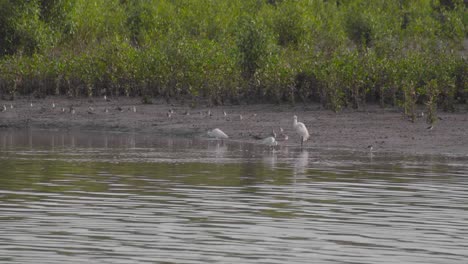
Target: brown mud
[{"x": 387, "y": 130}]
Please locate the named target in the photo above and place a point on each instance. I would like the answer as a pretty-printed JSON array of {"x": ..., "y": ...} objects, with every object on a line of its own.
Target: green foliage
[
  {"x": 252, "y": 45},
  {"x": 358, "y": 28},
  {"x": 338, "y": 53},
  {"x": 21, "y": 29},
  {"x": 431, "y": 103},
  {"x": 288, "y": 23}
]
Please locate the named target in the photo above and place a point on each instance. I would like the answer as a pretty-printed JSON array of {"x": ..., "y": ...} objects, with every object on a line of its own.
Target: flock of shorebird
[{"x": 271, "y": 140}]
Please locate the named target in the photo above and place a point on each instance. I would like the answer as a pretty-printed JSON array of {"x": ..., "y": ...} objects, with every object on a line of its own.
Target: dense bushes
[{"x": 338, "y": 53}]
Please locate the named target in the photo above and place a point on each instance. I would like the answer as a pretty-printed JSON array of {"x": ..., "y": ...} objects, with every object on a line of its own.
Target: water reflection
[
  {"x": 219, "y": 149},
  {"x": 134, "y": 198},
  {"x": 270, "y": 158},
  {"x": 301, "y": 162}
]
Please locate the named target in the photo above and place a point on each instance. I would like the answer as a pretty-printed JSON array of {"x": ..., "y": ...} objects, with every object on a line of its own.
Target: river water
[{"x": 73, "y": 197}]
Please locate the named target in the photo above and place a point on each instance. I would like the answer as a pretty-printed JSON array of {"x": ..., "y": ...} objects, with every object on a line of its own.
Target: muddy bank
[{"x": 384, "y": 129}]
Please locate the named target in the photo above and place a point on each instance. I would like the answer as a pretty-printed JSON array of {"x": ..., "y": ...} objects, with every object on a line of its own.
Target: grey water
[{"x": 96, "y": 197}]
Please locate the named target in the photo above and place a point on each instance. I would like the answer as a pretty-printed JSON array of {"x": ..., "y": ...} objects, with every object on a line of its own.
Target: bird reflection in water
[{"x": 301, "y": 162}]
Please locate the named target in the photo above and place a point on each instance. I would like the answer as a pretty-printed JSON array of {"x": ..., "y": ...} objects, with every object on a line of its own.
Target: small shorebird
[
  {"x": 301, "y": 129},
  {"x": 217, "y": 133},
  {"x": 282, "y": 136}
]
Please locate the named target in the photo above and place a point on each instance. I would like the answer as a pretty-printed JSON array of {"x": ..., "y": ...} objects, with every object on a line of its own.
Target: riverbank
[{"x": 385, "y": 129}]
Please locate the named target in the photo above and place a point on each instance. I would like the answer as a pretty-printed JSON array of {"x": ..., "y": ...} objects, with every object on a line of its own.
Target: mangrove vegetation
[{"x": 340, "y": 53}]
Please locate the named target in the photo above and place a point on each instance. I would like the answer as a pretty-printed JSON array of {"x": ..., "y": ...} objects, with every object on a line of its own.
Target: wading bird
[
  {"x": 301, "y": 129},
  {"x": 217, "y": 133},
  {"x": 270, "y": 141}
]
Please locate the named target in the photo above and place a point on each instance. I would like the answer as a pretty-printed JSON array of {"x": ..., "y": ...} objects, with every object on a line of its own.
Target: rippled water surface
[{"x": 129, "y": 198}]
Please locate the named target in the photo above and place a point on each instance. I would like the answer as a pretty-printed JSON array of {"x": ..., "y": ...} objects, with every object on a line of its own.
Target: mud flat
[{"x": 387, "y": 130}]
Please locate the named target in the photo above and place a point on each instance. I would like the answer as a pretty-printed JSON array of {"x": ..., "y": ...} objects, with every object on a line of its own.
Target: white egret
[
  {"x": 217, "y": 133},
  {"x": 301, "y": 129},
  {"x": 270, "y": 141},
  {"x": 3, "y": 108}
]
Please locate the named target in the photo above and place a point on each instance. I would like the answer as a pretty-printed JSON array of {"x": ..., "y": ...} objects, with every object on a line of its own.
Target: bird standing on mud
[
  {"x": 217, "y": 133},
  {"x": 301, "y": 129},
  {"x": 270, "y": 141}
]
